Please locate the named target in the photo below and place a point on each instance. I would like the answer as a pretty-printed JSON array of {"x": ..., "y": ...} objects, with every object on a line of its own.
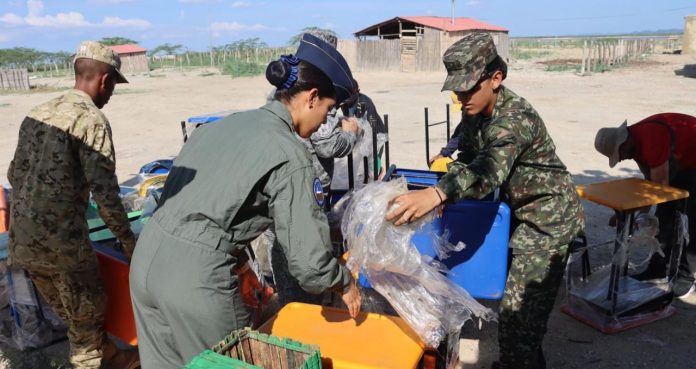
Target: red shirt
[{"x": 653, "y": 140}]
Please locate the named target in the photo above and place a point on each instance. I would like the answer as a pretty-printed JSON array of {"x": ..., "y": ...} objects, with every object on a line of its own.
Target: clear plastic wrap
[
  {"x": 432, "y": 305},
  {"x": 637, "y": 301},
  {"x": 363, "y": 149},
  {"x": 4, "y": 290},
  {"x": 33, "y": 324}
]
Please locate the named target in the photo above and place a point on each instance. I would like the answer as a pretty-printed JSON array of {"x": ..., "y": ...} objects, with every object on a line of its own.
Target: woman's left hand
[
  {"x": 415, "y": 204},
  {"x": 253, "y": 293}
]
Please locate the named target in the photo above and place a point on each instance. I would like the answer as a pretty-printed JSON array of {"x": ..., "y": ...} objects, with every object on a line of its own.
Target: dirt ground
[{"x": 146, "y": 116}]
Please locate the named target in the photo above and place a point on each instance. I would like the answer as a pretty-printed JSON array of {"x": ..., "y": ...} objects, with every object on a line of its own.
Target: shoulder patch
[{"x": 318, "y": 192}]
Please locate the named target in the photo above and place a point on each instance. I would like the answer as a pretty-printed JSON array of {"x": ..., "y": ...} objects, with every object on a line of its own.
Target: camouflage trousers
[
  {"x": 78, "y": 298},
  {"x": 530, "y": 294}
]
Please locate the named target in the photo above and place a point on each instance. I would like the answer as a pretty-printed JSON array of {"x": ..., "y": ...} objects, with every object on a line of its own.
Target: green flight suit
[{"x": 231, "y": 181}]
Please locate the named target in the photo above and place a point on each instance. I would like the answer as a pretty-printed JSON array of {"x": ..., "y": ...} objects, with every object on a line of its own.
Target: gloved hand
[{"x": 250, "y": 287}]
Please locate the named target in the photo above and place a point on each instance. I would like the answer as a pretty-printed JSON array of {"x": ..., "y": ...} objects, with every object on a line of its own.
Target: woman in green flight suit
[{"x": 231, "y": 181}]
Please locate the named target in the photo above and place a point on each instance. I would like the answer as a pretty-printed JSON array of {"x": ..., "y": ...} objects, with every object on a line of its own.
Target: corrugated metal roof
[
  {"x": 127, "y": 49},
  {"x": 442, "y": 23}
]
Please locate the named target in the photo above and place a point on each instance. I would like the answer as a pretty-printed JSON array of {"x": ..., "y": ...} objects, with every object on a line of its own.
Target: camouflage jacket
[
  {"x": 64, "y": 152},
  {"x": 326, "y": 144},
  {"x": 513, "y": 151}
]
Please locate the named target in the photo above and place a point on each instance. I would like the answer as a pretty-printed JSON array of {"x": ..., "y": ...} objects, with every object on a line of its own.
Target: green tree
[
  {"x": 324, "y": 33},
  {"x": 117, "y": 40},
  {"x": 166, "y": 49}
]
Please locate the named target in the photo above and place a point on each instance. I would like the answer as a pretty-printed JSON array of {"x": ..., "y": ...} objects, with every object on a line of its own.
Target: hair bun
[{"x": 277, "y": 72}]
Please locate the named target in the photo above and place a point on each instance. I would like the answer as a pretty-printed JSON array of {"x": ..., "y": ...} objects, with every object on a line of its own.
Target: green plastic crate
[
  {"x": 211, "y": 360},
  {"x": 267, "y": 351}
]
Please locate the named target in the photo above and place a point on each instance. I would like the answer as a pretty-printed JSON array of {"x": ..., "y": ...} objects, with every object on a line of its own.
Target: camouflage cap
[
  {"x": 466, "y": 61},
  {"x": 96, "y": 51}
]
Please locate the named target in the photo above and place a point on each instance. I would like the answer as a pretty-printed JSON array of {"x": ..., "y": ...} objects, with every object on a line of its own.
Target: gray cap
[
  {"x": 466, "y": 60},
  {"x": 99, "y": 52},
  {"x": 608, "y": 141}
]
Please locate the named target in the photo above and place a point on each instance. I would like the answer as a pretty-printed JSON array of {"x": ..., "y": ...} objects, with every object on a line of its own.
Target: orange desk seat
[
  {"x": 372, "y": 341},
  {"x": 630, "y": 193},
  {"x": 118, "y": 320}
]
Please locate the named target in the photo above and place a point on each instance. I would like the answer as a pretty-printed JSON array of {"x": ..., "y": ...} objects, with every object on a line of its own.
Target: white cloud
[
  {"x": 35, "y": 8},
  {"x": 36, "y": 18},
  {"x": 192, "y": 1},
  {"x": 11, "y": 19},
  {"x": 473, "y": 2},
  {"x": 240, "y": 4},
  {"x": 65, "y": 20},
  {"x": 234, "y": 26},
  {"x": 4, "y": 38}
]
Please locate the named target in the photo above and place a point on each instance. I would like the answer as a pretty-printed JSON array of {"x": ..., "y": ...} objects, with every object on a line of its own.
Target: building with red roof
[
  {"x": 416, "y": 43},
  {"x": 133, "y": 58}
]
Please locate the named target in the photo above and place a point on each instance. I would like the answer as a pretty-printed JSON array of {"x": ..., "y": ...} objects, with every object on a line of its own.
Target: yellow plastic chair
[{"x": 440, "y": 165}]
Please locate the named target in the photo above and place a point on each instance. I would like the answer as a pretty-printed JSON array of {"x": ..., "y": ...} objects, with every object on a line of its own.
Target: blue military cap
[{"x": 320, "y": 54}]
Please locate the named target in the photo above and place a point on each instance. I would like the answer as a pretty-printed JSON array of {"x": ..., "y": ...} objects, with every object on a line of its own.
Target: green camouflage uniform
[
  {"x": 64, "y": 152},
  {"x": 512, "y": 150}
]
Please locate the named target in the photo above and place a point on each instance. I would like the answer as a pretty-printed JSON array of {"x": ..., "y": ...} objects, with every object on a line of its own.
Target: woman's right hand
[{"x": 352, "y": 299}]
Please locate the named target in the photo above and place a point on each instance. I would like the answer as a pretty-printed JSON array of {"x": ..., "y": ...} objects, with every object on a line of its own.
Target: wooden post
[{"x": 584, "y": 57}]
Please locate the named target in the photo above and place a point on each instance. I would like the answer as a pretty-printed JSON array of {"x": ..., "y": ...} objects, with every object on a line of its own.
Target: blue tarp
[{"x": 209, "y": 118}]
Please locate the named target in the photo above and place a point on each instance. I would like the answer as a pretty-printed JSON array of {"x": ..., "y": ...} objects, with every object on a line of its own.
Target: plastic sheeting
[
  {"x": 432, "y": 305},
  {"x": 362, "y": 149},
  {"x": 32, "y": 323},
  {"x": 637, "y": 301}
]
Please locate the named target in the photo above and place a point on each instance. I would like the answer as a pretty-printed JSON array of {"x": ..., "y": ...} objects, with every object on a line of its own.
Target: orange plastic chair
[
  {"x": 4, "y": 212},
  {"x": 119, "y": 319}
]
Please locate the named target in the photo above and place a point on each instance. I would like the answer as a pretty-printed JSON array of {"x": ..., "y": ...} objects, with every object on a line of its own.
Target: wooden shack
[
  {"x": 417, "y": 43},
  {"x": 133, "y": 58}
]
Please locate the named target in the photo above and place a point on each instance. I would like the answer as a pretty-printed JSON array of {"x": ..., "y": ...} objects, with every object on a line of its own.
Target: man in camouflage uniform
[
  {"x": 505, "y": 144},
  {"x": 65, "y": 152}
]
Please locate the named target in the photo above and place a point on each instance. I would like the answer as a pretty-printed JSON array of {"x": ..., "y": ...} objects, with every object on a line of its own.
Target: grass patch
[
  {"x": 239, "y": 68},
  {"x": 34, "y": 89},
  {"x": 522, "y": 54},
  {"x": 562, "y": 65},
  {"x": 5, "y": 105},
  {"x": 562, "y": 68},
  {"x": 152, "y": 75}
]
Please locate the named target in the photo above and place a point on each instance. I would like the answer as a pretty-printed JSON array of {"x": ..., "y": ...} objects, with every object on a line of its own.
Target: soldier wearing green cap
[
  {"x": 504, "y": 144},
  {"x": 64, "y": 153}
]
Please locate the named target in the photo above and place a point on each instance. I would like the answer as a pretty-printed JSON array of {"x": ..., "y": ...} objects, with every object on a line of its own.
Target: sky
[{"x": 59, "y": 25}]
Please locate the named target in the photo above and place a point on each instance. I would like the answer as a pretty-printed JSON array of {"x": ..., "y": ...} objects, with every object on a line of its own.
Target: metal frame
[{"x": 427, "y": 130}]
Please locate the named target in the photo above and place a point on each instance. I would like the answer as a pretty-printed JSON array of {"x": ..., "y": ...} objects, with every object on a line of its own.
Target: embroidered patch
[{"x": 318, "y": 192}]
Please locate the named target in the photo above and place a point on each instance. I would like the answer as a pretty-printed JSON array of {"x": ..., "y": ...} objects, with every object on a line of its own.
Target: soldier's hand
[
  {"x": 412, "y": 206},
  {"x": 438, "y": 156},
  {"x": 352, "y": 300},
  {"x": 128, "y": 245},
  {"x": 350, "y": 125}
]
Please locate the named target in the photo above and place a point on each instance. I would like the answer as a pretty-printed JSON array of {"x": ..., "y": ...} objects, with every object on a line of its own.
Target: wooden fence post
[{"x": 584, "y": 57}]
